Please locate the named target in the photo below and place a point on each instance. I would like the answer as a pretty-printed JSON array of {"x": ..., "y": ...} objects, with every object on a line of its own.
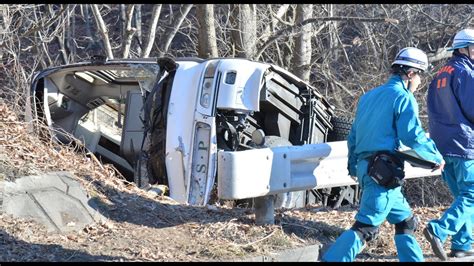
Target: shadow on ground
[
  {"x": 133, "y": 208},
  {"x": 12, "y": 249},
  {"x": 139, "y": 210}
]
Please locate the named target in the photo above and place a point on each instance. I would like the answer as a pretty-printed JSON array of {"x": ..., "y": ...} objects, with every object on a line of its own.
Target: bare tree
[
  {"x": 88, "y": 28},
  {"x": 244, "y": 30},
  {"x": 302, "y": 54},
  {"x": 129, "y": 31},
  {"x": 123, "y": 19},
  {"x": 281, "y": 16},
  {"x": 65, "y": 35},
  {"x": 222, "y": 26},
  {"x": 171, "y": 30},
  {"x": 276, "y": 18},
  {"x": 345, "y": 59},
  {"x": 207, "y": 32},
  {"x": 155, "y": 15},
  {"x": 138, "y": 27},
  {"x": 103, "y": 31}
]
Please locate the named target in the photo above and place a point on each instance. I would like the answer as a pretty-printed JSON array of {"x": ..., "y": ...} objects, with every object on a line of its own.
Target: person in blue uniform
[
  {"x": 386, "y": 117},
  {"x": 451, "y": 125}
]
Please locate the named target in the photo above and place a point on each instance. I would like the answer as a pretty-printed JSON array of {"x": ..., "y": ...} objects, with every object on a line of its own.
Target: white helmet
[
  {"x": 462, "y": 39},
  {"x": 412, "y": 57}
]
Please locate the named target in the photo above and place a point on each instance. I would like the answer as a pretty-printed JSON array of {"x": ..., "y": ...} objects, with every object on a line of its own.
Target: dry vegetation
[
  {"x": 347, "y": 57},
  {"x": 142, "y": 226}
]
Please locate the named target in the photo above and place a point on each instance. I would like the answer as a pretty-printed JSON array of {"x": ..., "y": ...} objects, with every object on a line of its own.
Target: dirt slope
[{"x": 142, "y": 226}]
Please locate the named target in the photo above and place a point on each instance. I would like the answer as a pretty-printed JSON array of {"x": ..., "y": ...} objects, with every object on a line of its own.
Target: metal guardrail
[
  {"x": 332, "y": 171},
  {"x": 267, "y": 171},
  {"x": 261, "y": 172}
]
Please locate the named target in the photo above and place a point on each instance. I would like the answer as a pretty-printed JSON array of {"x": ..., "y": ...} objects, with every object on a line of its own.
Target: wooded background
[{"x": 343, "y": 50}]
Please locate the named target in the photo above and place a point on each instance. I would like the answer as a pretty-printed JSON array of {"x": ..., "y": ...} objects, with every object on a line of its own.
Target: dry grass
[{"x": 144, "y": 227}]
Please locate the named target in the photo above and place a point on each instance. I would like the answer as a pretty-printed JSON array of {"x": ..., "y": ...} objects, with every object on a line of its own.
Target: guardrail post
[{"x": 264, "y": 210}]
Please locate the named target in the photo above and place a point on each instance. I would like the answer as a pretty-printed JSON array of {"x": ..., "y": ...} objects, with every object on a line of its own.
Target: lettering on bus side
[{"x": 202, "y": 168}]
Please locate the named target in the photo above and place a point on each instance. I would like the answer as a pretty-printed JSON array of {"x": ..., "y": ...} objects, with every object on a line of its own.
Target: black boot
[{"x": 436, "y": 244}]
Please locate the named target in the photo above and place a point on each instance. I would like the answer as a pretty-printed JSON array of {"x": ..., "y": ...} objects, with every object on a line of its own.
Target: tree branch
[
  {"x": 173, "y": 29},
  {"x": 103, "y": 31},
  {"x": 439, "y": 55},
  {"x": 298, "y": 26},
  {"x": 48, "y": 24},
  {"x": 129, "y": 31},
  {"x": 152, "y": 31}
]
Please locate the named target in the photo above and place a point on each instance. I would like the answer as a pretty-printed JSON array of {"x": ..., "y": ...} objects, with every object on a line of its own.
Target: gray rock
[{"x": 54, "y": 199}]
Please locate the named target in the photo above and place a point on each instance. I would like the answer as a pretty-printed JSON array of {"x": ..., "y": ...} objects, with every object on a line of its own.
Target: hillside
[
  {"x": 342, "y": 50},
  {"x": 142, "y": 226}
]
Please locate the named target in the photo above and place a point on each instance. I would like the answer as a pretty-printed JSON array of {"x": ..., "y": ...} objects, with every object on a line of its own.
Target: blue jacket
[
  {"x": 386, "y": 116},
  {"x": 451, "y": 107}
]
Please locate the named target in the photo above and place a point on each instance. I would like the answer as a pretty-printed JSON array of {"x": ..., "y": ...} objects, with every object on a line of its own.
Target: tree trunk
[
  {"x": 172, "y": 29},
  {"x": 275, "y": 19},
  {"x": 70, "y": 45},
  {"x": 86, "y": 15},
  {"x": 129, "y": 31},
  {"x": 155, "y": 15},
  {"x": 62, "y": 48},
  {"x": 41, "y": 42},
  {"x": 61, "y": 38},
  {"x": 138, "y": 27},
  {"x": 207, "y": 46},
  {"x": 301, "y": 62},
  {"x": 333, "y": 42},
  {"x": 244, "y": 29},
  {"x": 103, "y": 31},
  {"x": 123, "y": 18},
  {"x": 270, "y": 29}
]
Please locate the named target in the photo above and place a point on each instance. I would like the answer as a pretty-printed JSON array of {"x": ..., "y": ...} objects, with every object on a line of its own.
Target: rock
[{"x": 54, "y": 199}]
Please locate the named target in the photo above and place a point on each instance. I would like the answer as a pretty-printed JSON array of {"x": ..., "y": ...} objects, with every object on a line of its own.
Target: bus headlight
[
  {"x": 207, "y": 83},
  {"x": 206, "y": 92}
]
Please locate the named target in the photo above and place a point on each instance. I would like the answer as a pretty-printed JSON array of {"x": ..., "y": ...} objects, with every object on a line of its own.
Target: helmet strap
[
  {"x": 468, "y": 51},
  {"x": 406, "y": 74}
]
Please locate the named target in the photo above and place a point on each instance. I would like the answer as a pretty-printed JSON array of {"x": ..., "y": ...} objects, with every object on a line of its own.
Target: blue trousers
[
  {"x": 377, "y": 205},
  {"x": 457, "y": 220}
]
